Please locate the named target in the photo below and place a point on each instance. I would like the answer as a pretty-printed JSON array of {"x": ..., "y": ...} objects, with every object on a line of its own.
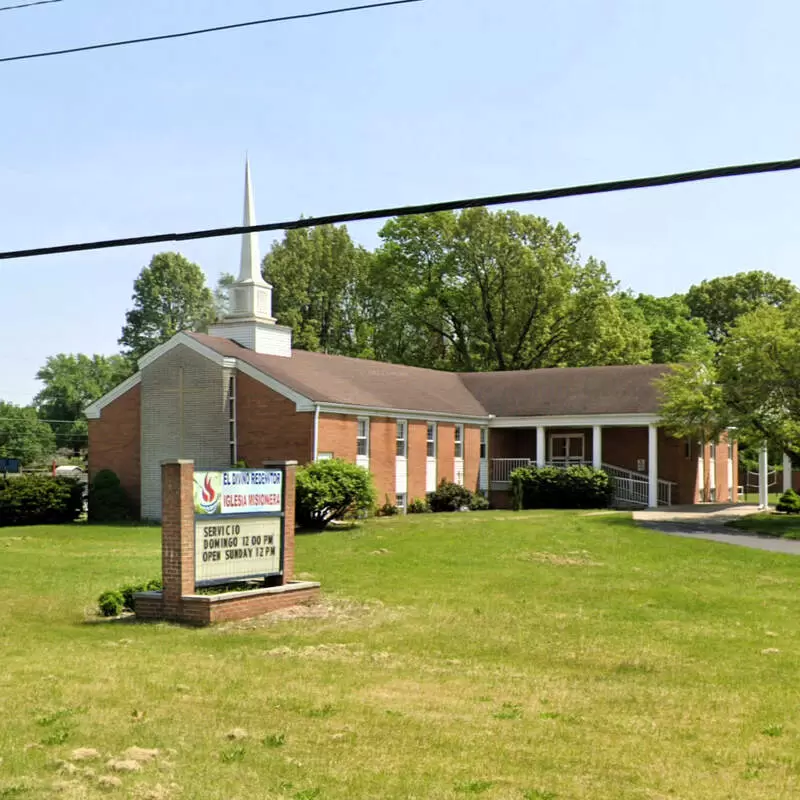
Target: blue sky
[{"x": 433, "y": 101}]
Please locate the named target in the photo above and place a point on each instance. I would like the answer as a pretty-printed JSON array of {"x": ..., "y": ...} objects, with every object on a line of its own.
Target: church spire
[
  {"x": 251, "y": 294},
  {"x": 249, "y": 320},
  {"x": 250, "y": 268}
]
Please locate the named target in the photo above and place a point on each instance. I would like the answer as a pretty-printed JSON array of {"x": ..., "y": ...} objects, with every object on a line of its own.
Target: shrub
[
  {"x": 388, "y": 509},
  {"x": 551, "y": 487},
  {"x": 108, "y": 501},
  {"x": 419, "y": 506},
  {"x": 449, "y": 497},
  {"x": 478, "y": 502},
  {"x": 130, "y": 589},
  {"x": 114, "y": 601},
  {"x": 789, "y": 502},
  {"x": 40, "y": 500},
  {"x": 111, "y": 603},
  {"x": 329, "y": 490}
]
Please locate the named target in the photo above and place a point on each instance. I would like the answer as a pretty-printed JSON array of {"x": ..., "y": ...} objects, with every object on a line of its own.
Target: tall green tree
[
  {"x": 24, "y": 436},
  {"x": 170, "y": 295},
  {"x": 675, "y": 336},
  {"x": 71, "y": 382},
  {"x": 692, "y": 407},
  {"x": 483, "y": 290},
  {"x": 318, "y": 277},
  {"x": 222, "y": 294},
  {"x": 759, "y": 374},
  {"x": 719, "y": 302}
]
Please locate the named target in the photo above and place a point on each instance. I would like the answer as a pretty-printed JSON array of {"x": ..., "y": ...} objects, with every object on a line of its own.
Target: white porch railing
[{"x": 630, "y": 488}]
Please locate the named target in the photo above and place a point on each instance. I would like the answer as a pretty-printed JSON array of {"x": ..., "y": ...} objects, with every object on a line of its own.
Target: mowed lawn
[{"x": 537, "y": 655}]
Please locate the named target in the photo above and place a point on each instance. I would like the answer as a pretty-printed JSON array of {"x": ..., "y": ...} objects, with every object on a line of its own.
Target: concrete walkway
[{"x": 708, "y": 522}]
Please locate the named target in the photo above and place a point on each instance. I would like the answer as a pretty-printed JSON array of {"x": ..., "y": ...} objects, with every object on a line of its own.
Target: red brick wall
[
  {"x": 417, "y": 459},
  {"x": 511, "y": 443},
  {"x": 267, "y": 426},
  {"x": 472, "y": 456},
  {"x": 383, "y": 457},
  {"x": 115, "y": 442},
  {"x": 337, "y": 435},
  {"x": 445, "y": 451}
]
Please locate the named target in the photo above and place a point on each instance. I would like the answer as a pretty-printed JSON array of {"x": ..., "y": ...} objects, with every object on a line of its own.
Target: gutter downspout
[{"x": 316, "y": 431}]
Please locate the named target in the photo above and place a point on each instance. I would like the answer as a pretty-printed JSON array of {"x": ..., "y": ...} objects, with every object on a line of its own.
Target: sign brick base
[{"x": 179, "y": 600}]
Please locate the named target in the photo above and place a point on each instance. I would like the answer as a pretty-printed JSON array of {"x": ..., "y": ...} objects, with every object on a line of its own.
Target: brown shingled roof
[
  {"x": 532, "y": 393},
  {"x": 571, "y": 391},
  {"x": 358, "y": 382}
]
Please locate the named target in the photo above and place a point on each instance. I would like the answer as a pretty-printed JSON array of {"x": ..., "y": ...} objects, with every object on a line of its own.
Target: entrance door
[{"x": 566, "y": 449}]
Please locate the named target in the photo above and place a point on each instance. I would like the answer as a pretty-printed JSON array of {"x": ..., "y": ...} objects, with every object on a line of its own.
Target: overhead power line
[
  {"x": 200, "y": 31},
  {"x": 28, "y": 5},
  {"x": 427, "y": 208}
]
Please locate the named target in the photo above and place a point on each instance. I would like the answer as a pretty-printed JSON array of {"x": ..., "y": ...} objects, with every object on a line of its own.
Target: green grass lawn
[
  {"x": 769, "y": 523},
  {"x": 538, "y": 655}
]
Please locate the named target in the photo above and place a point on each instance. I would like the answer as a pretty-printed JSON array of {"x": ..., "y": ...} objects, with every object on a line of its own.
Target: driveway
[{"x": 708, "y": 522}]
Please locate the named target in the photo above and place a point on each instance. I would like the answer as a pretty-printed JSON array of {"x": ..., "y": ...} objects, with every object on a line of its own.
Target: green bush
[
  {"x": 331, "y": 489},
  {"x": 40, "y": 500},
  {"x": 114, "y": 601},
  {"x": 111, "y": 603},
  {"x": 108, "y": 501},
  {"x": 789, "y": 502},
  {"x": 449, "y": 497},
  {"x": 551, "y": 487},
  {"x": 130, "y": 589},
  {"x": 419, "y": 506},
  {"x": 388, "y": 509},
  {"x": 478, "y": 502}
]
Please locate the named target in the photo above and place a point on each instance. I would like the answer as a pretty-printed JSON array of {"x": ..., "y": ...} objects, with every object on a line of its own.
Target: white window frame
[
  {"x": 458, "y": 443},
  {"x": 365, "y": 438},
  {"x": 484, "y": 447},
  {"x": 401, "y": 502},
  {"x": 401, "y": 439},
  {"x": 430, "y": 440},
  {"x": 324, "y": 456},
  {"x": 234, "y": 454}
]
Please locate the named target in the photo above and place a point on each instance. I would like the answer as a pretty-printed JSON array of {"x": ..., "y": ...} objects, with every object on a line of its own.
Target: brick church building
[{"x": 240, "y": 392}]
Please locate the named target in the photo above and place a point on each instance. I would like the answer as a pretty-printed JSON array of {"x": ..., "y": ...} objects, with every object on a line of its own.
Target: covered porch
[{"x": 647, "y": 468}]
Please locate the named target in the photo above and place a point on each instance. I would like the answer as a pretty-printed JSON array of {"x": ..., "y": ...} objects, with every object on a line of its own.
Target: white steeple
[
  {"x": 251, "y": 295},
  {"x": 249, "y": 320}
]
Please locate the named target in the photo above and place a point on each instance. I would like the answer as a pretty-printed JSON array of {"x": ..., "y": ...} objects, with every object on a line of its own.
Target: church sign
[{"x": 239, "y": 524}]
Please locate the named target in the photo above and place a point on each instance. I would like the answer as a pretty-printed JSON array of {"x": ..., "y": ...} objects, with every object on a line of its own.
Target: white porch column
[
  {"x": 787, "y": 473},
  {"x": 652, "y": 466},
  {"x": 763, "y": 488},
  {"x": 541, "y": 447},
  {"x": 597, "y": 446}
]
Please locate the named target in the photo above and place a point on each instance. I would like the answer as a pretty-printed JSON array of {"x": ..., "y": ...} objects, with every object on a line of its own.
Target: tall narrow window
[
  {"x": 362, "y": 438},
  {"x": 459, "y": 441},
  {"x": 484, "y": 442},
  {"x": 232, "y": 418},
  {"x": 402, "y": 443},
  {"x": 431, "y": 440}
]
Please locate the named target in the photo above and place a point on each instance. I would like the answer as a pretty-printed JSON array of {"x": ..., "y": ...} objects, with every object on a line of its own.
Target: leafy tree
[
  {"x": 483, "y": 290},
  {"x": 170, "y": 295},
  {"x": 759, "y": 375},
  {"x": 23, "y": 435},
  {"x": 692, "y": 407},
  {"x": 721, "y": 301},
  {"x": 675, "y": 336},
  {"x": 318, "y": 277},
  {"x": 222, "y": 294},
  {"x": 71, "y": 382}
]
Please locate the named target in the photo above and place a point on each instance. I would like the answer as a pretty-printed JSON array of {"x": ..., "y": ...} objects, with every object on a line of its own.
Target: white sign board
[
  {"x": 236, "y": 548},
  {"x": 238, "y": 491}
]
